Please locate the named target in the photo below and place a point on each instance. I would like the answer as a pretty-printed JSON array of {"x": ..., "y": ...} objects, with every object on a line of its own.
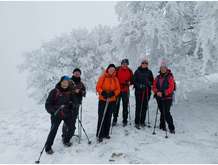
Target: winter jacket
[
  {"x": 124, "y": 76},
  {"x": 59, "y": 96},
  {"x": 78, "y": 84},
  {"x": 143, "y": 80},
  {"x": 108, "y": 83},
  {"x": 164, "y": 83}
]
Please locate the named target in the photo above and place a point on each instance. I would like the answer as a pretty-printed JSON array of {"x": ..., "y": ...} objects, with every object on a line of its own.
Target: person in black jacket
[
  {"x": 79, "y": 90},
  {"x": 60, "y": 104},
  {"x": 142, "y": 80}
]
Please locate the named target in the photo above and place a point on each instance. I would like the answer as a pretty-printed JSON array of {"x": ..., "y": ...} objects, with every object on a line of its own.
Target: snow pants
[
  {"x": 165, "y": 115},
  {"x": 141, "y": 106},
  {"x": 125, "y": 99},
  {"x": 66, "y": 128},
  {"x": 55, "y": 122},
  {"x": 106, "y": 124}
]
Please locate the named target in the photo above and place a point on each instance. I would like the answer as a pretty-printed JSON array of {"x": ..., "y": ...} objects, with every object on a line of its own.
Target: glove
[
  {"x": 59, "y": 115},
  {"x": 70, "y": 105},
  {"x": 111, "y": 94},
  {"x": 142, "y": 86},
  {"x": 104, "y": 94}
]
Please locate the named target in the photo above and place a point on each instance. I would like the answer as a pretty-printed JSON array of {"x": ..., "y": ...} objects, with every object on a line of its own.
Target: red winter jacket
[
  {"x": 165, "y": 84},
  {"x": 124, "y": 76}
]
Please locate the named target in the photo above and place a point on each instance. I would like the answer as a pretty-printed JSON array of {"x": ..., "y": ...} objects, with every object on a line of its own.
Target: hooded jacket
[{"x": 108, "y": 83}]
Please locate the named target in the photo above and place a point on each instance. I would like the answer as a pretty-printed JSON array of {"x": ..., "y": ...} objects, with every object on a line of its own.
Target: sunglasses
[{"x": 144, "y": 63}]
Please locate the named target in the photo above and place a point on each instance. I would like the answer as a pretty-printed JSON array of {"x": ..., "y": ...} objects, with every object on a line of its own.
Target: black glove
[
  {"x": 104, "y": 94},
  {"x": 111, "y": 94},
  {"x": 70, "y": 105}
]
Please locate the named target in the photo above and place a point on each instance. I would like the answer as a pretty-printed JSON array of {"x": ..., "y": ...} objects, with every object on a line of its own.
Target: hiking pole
[
  {"x": 164, "y": 113},
  {"x": 140, "y": 115},
  {"x": 104, "y": 114},
  {"x": 89, "y": 141},
  {"x": 129, "y": 107},
  {"x": 154, "y": 133},
  {"x": 115, "y": 111},
  {"x": 149, "y": 126},
  {"x": 79, "y": 126},
  {"x": 56, "y": 112}
]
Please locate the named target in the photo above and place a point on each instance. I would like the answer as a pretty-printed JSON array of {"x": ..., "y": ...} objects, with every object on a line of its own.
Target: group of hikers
[{"x": 112, "y": 86}]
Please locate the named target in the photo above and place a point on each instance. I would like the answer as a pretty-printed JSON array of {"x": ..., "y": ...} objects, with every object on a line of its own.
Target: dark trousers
[
  {"x": 141, "y": 106},
  {"x": 55, "y": 122},
  {"x": 105, "y": 129},
  {"x": 125, "y": 99},
  {"x": 65, "y": 128},
  {"x": 164, "y": 107}
]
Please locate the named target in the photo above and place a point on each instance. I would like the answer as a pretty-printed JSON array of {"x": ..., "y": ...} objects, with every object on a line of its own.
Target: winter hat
[
  {"x": 77, "y": 70},
  {"x": 144, "y": 60},
  {"x": 163, "y": 63},
  {"x": 64, "y": 78},
  {"x": 111, "y": 65},
  {"x": 125, "y": 61}
]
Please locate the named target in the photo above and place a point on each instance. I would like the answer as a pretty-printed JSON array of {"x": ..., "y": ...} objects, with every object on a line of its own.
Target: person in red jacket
[
  {"x": 163, "y": 88},
  {"x": 124, "y": 75}
]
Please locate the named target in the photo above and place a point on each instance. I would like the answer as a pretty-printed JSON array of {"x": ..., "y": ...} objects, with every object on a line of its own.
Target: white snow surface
[{"x": 25, "y": 129}]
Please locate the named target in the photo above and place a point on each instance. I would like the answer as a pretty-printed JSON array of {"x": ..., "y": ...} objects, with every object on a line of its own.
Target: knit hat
[
  {"x": 163, "y": 63},
  {"x": 111, "y": 65},
  {"x": 77, "y": 70},
  {"x": 125, "y": 61},
  {"x": 144, "y": 60},
  {"x": 64, "y": 78}
]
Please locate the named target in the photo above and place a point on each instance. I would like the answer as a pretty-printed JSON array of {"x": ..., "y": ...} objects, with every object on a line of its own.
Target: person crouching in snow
[
  {"x": 108, "y": 89},
  {"x": 59, "y": 104},
  {"x": 163, "y": 88}
]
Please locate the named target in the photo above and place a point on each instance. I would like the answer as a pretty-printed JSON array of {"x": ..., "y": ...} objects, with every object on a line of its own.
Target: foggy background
[{"x": 24, "y": 26}]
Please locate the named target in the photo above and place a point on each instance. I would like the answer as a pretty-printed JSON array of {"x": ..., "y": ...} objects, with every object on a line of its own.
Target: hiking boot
[
  {"x": 49, "y": 151},
  {"x": 143, "y": 125},
  {"x": 108, "y": 137},
  {"x": 67, "y": 144},
  {"x": 124, "y": 124},
  {"x": 162, "y": 127},
  {"x": 100, "y": 140},
  {"x": 137, "y": 126},
  {"x": 172, "y": 131}
]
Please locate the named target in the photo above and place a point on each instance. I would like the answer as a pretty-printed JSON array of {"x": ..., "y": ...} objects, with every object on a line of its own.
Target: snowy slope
[{"x": 24, "y": 131}]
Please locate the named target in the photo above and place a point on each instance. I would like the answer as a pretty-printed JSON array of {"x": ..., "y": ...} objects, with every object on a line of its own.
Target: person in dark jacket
[
  {"x": 163, "y": 88},
  {"x": 142, "y": 80},
  {"x": 79, "y": 90},
  {"x": 60, "y": 104},
  {"x": 124, "y": 75}
]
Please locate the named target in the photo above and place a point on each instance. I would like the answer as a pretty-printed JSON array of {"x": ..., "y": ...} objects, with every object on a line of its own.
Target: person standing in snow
[
  {"x": 142, "y": 80},
  {"x": 59, "y": 105},
  {"x": 163, "y": 88},
  {"x": 108, "y": 89},
  {"x": 79, "y": 90},
  {"x": 124, "y": 75}
]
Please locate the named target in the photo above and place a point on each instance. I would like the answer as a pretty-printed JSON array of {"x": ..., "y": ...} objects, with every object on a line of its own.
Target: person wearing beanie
[
  {"x": 142, "y": 80},
  {"x": 163, "y": 88},
  {"x": 124, "y": 75},
  {"x": 108, "y": 89},
  {"x": 59, "y": 105},
  {"x": 79, "y": 90}
]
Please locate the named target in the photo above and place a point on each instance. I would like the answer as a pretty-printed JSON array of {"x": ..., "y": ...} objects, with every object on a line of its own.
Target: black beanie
[
  {"x": 77, "y": 70},
  {"x": 125, "y": 61},
  {"x": 111, "y": 65}
]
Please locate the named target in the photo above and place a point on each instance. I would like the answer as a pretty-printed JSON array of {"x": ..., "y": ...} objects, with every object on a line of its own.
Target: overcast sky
[{"x": 25, "y": 25}]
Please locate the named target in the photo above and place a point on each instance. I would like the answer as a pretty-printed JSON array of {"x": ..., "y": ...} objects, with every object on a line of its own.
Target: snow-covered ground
[{"x": 24, "y": 131}]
